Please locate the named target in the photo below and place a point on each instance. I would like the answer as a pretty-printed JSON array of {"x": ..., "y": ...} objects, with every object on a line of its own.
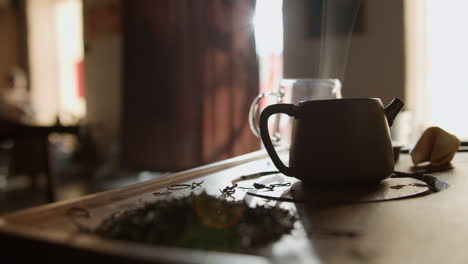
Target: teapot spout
[{"x": 392, "y": 110}]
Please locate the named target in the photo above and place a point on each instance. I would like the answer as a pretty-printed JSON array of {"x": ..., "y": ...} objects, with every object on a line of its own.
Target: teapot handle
[{"x": 288, "y": 109}]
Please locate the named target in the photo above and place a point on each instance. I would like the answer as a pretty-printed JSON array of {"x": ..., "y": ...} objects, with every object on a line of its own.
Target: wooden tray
[{"x": 50, "y": 232}]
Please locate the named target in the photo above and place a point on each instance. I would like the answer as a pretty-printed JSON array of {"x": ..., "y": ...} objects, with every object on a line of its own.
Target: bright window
[
  {"x": 55, "y": 40},
  {"x": 448, "y": 65}
]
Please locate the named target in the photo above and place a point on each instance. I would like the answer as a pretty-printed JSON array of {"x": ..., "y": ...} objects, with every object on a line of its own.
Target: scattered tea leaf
[{"x": 200, "y": 222}]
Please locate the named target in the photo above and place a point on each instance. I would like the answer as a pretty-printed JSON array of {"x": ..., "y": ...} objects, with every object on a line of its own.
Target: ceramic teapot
[{"x": 338, "y": 141}]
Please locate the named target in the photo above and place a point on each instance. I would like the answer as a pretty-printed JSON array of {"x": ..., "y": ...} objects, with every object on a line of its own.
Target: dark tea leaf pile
[{"x": 200, "y": 222}]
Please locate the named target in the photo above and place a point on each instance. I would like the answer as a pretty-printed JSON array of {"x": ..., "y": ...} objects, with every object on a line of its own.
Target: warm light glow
[
  {"x": 55, "y": 42},
  {"x": 69, "y": 28},
  {"x": 411, "y": 123}
]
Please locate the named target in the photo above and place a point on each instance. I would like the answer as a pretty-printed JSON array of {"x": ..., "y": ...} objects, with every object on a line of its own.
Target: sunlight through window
[
  {"x": 447, "y": 65},
  {"x": 268, "y": 24}
]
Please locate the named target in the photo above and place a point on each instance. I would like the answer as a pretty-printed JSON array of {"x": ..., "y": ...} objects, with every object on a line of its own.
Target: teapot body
[
  {"x": 345, "y": 141},
  {"x": 336, "y": 142}
]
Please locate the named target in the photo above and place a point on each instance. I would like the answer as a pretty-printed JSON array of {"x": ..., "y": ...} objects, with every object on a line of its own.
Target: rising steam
[{"x": 338, "y": 21}]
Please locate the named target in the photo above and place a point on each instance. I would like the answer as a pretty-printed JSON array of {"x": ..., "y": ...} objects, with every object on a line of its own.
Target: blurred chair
[{"x": 30, "y": 153}]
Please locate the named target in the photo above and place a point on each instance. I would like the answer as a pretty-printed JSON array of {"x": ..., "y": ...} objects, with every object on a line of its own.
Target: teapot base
[
  {"x": 337, "y": 183},
  {"x": 384, "y": 190}
]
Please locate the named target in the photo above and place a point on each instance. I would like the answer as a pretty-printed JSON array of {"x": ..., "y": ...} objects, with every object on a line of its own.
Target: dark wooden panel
[{"x": 190, "y": 72}]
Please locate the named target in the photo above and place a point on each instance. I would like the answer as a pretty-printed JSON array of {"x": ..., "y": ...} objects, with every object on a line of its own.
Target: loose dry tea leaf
[{"x": 200, "y": 222}]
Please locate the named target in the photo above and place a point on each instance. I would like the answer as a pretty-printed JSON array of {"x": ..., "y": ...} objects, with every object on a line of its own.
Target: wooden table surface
[{"x": 427, "y": 229}]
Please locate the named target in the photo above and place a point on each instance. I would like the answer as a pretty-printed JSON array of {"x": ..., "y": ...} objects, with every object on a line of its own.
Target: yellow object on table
[{"x": 436, "y": 146}]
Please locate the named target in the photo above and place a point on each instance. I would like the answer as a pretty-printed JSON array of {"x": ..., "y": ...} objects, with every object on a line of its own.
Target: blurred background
[{"x": 129, "y": 91}]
